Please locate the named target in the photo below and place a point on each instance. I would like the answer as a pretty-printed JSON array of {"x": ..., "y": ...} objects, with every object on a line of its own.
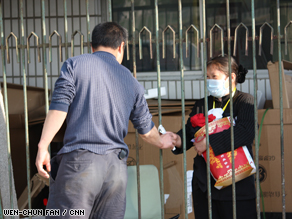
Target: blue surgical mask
[{"x": 217, "y": 87}]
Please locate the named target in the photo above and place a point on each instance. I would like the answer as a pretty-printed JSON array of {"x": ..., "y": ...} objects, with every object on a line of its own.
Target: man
[{"x": 97, "y": 96}]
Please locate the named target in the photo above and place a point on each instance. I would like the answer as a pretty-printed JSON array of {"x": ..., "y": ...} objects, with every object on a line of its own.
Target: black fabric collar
[{"x": 226, "y": 97}]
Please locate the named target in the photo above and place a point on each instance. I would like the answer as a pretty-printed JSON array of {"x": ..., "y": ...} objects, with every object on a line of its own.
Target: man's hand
[
  {"x": 43, "y": 158},
  {"x": 200, "y": 145},
  {"x": 169, "y": 140},
  {"x": 53, "y": 123}
]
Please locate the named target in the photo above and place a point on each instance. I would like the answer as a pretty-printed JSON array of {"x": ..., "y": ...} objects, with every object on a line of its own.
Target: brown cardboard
[
  {"x": 37, "y": 184},
  {"x": 18, "y": 155},
  {"x": 35, "y": 98},
  {"x": 172, "y": 164},
  {"x": 169, "y": 103},
  {"x": 35, "y": 103},
  {"x": 270, "y": 159},
  {"x": 286, "y": 84}
]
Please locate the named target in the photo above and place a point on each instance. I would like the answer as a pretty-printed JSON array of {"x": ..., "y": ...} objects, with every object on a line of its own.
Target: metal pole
[
  {"x": 110, "y": 16},
  {"x": 1, "y": 205},
  {"x": 66, "y": 29},
  {"x": 25, "y": 106},
  {"x": 88, "y": 27},
  {"x": 231, "y": 109},
  {"x": 206, "y": 108},
  {"x": 183, "y": 105},
  {"x": 159, "y": 102},
  {"x": 281, "y": 112},
  {"x": 6, "y": 107},
  {"x": 255, "y": 111},
  {"x": 45, "y": 56},
  {"x": 136, "y": 133}
]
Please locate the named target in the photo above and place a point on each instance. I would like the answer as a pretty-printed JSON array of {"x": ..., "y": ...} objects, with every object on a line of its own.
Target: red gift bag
[{"x": 221, "y": 165}]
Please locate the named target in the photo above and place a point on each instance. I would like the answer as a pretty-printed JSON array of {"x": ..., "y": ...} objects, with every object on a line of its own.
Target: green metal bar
[
  {"x": 206, "y": 107},
  {"x": 281, "y": 111},
  {"x": 255, "y": 109},
  {"x": 66, "y": 29},
  {"x": 39, "y": 54},
  {"x": 1, "y": 207},
  {"x": 45, "y": 56},
  {"x": 6, "y": 107},
  {"x": 136, "y": 133},
  {"x": 88, "y": 26},
  {"x": 110, "y": 16},
  {"x": 159, "y": 101},
  {"x": 45, "y": 73},
  {"x": 231, "y": 108},
  {"x": 51, "y": 66},
  {"x": 25, "y": 106},
  {"x": 183, "y": 104}
]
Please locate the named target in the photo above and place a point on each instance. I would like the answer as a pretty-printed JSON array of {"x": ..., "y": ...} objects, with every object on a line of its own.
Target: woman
[{"x": 243, "y": 112}]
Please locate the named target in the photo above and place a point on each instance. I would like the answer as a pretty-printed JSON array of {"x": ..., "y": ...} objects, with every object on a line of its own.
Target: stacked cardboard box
[
  {"x": 286, "y": 83},
  {"x": 169, "y": 106},
  {"x": 270, "y": 155},
  {"x": 270, "y": 159}
]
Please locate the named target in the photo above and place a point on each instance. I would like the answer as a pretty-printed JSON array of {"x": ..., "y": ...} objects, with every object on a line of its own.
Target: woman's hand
[{"x": 200, "y": 145}]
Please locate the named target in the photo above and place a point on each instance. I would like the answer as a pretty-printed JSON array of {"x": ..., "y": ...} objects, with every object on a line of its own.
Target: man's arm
[
  {"x": 162, "y": 141},
  {"x": 53, "y": 123}
]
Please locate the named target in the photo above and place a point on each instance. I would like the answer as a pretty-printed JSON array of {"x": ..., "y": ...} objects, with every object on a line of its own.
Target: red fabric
[
  {"x": 45, "y": 201},
  {"x": 211, "y": 118},
  {"x": 199, "y": 119}
]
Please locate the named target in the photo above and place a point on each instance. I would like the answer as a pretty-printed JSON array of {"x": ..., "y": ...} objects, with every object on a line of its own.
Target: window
[
  {"x": 240, "y": 11},
  {"x": 168, "y": 15}
]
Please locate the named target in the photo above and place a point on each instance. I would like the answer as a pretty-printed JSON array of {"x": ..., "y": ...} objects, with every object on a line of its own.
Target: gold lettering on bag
[
  {"x": 214, "y": 159},
  {"x": 229, "y": 155}
]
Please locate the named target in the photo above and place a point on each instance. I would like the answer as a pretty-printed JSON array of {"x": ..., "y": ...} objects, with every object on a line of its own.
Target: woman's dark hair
[
  {"x": 108, "y": 34},
  {"x": 221, "y": 63}
]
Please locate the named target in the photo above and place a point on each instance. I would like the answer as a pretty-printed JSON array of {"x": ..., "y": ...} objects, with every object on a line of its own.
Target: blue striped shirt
[{"x": 99, "y": 96}]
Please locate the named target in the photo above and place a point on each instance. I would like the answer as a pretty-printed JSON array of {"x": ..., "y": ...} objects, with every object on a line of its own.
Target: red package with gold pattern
[{"x": 221, "y": 165}]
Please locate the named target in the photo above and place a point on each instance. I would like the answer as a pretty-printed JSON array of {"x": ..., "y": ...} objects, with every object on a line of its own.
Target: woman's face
[{"x": 214, "y": 73}]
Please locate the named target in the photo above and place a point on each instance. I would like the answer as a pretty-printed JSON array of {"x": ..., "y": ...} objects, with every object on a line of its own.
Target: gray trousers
[{"x": 87, "y": 185}]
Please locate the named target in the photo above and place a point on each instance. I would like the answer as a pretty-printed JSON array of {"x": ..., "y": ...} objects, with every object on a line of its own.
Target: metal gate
[{"x": 39, "y": 67}]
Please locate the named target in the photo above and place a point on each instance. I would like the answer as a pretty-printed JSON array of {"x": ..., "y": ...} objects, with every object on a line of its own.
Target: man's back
[{"x": 102, "y": 94}]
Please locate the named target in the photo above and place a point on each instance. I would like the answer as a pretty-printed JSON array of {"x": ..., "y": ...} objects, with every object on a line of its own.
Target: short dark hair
[
  {"x": 221, "y": 63},
  {"x": 108, "y": 34}
]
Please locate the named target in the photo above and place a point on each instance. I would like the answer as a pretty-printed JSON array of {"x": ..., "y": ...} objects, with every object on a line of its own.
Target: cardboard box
[
  {"x": 172, "y": 165},
  {"x": 37, "y": 184},
  {"x": 270, "y": 160},
  {"x": 286, "y": 84},
  {"x": 35, "y": 98},
  {"x": 35, "y": 101}
]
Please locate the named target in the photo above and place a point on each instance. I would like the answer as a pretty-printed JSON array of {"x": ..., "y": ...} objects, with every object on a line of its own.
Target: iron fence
[{"x": 22, "y": 49}]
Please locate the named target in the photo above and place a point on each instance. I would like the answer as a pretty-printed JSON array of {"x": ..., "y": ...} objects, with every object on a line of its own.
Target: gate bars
[
  {"x": 157, "y": 41},
  {"x": 255, "y": 110},
  {"x": 204, "y": 41},
  {"x": 281, "y": 107}
]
